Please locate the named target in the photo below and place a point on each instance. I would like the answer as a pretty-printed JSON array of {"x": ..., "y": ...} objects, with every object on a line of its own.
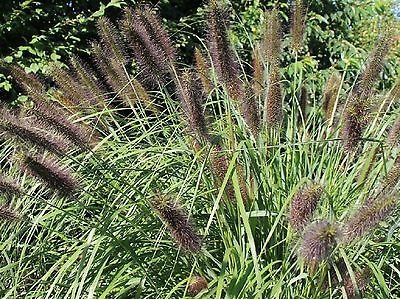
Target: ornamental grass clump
[{"x": 259, "y": 129}]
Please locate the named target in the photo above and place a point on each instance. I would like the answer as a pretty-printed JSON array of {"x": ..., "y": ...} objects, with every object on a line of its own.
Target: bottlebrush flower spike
[
  {"x": 317, "y": 243},
  {"x": 8, "y": 186},
  {"x": 258, "y": 72},
  {"x": 274, "y": 99},
  {"x": 51, "y": 172},
  {"x": 394, "y": 94},
  {"x": 249, "y": 110},
  {"x": 303, "y": 205},
  {"x": 29, "y": 82},
  {"x": 355, "y": 120},
  {"x": 158, "y": 33},
  {"x": 70, "y": 90},
  {"x": 196, "y": 285},
  {"x": 272, "y": 39},
  {"x": 190, "y": 96},
  {"x": 222, "y": 55},
  {"x": 393, "y": 176},
  {"x": 367, "y": 217},
  {"x": 203, "y": 70},
  {"x": 53, "y": 117},
  {"x": 330, "y": 94},
  {"x": 297, "y": 25},
  {"x": 303, "y": 103},
  {"x": 152, "y": 48},
  {"x": 363, "y": 87},
  {"x": 112, "y": 42},
  {"x": 219, "y": 167},
  {"x": 27, "y": 133},
  {"x": 362, "y": 282},
  {"x": 358, "y": 108},
  {"x": 177, "y": 221},
  {"x": 7, "y": 214},
  {"x": 88, "y": 79},
  {"x": 393, "y": 138}
]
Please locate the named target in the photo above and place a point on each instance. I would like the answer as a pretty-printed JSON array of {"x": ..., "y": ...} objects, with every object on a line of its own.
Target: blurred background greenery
[{"x": 339, "y": 33}]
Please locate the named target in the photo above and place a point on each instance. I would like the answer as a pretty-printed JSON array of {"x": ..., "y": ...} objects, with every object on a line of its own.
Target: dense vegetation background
[
  {"x": 39, "y": 33},
  {"x": 106, "y": 160}
]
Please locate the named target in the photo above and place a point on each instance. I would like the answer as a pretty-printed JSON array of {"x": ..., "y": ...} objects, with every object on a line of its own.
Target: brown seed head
[
  {"x": 182, "y": 230},
  {"x": 196, "y": 285},
  {"x": 303, "y": 205},
  {"x": 367, "y": 217},
  {"x": 317, "y": 243},
  {"x": 274, "y": 99}
]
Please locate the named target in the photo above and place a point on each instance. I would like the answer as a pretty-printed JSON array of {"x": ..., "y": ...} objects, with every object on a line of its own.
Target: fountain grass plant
[{"x": 202, "y": 181}]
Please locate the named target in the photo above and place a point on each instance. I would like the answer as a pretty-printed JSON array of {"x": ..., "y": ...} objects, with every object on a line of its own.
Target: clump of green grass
[{"x": 194, "y": 179}]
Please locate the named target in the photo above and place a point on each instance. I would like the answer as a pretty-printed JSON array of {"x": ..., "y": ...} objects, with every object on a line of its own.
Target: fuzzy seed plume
[
  {"x": 249, "y": 110},
  {"x": 394, "y": 94},
  {"x": 8, "y": 214},
  {"x": 51, "y": 172},
  {"x": 52, "y": 116},
  {"x": 27, "y": 133},
  {"x": 393, "y": 138},
  {"x": 362, "y": 284},
  {"x": 203, "y": 70},
  {"x": 359, "y": 102},
  {"x": 354, "y": 122},
  {"x": 8, "y": 186},
  {"x": 303, "y": 102},
  {"x": 330, "y": 94},
  {"x": 190, "y": 96},
  {"x": 27, "y": 81},
  {"x": 272, "y": 39},
  {"x": 393, "y": 176},
  {"x": 158, "y": 33},
  {"x": 303, "y": 205},
  {"x": 196, "y": 285},
  {"x": 112, "y": 42},
  {"x": 318, "y": 242},
  {"x": 87, "y": 77},
  {"x": 367, "y": 217},
  {"x": 274, "y": 109},
  {"x": 126, "y": 87},
  {"x": 363, "y": 87},
  {"x": 258, "y": 71},
  {"x": 222, "y": 54},
  {"x": 70, "y": 91},
  {"x": 152, "y": 48},
  {"x": 297, "y": 25},
  {"x": 182, "y": 230},
  {"x": 219, "y": 167}
]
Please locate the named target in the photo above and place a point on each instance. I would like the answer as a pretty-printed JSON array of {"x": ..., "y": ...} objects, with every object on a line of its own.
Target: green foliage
[{"x": 162, "y": 151}]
